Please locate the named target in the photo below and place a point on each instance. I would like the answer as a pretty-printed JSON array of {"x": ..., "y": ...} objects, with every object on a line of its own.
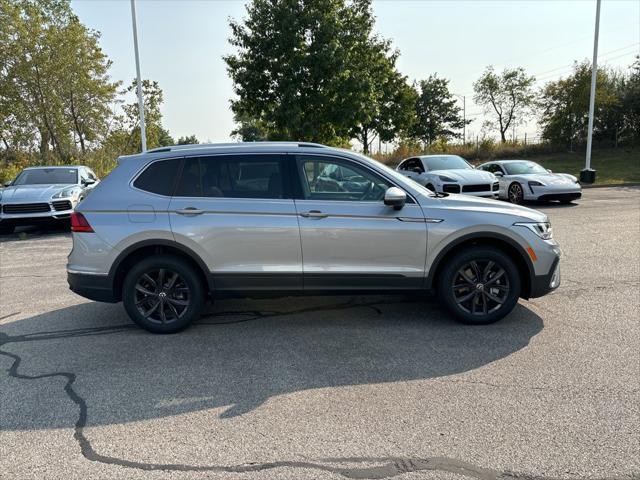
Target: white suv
[{"x": 171, "y": 227}]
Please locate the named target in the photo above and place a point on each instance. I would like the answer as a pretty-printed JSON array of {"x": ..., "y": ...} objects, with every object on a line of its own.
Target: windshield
[
  {"x": 523, "y": 167},
  {"x": 451, "y": 162},
  {"x": 401, "y": 179},
  {"x": 47, "y": 176}
]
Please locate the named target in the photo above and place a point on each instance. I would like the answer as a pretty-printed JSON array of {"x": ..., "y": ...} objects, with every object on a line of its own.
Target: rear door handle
[
  {"x": 314, "y": 214},
  {"x": 189, "y": 211}
]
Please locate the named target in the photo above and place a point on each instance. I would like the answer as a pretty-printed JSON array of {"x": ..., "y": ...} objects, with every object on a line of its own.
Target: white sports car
[
  {"x": 522, "y": 180},
  {"x": 449, "y": 174}
]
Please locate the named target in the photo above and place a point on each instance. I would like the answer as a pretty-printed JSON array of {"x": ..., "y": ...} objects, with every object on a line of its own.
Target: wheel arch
[
  {"x": 136, "y": 252},
  {"x": 502, "y": 242}
]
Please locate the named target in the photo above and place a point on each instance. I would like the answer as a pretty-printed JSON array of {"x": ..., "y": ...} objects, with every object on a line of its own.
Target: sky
[{"x": 182, "y": 43}]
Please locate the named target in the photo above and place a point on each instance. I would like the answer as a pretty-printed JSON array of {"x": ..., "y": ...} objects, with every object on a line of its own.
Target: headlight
[
  {"x": 446, "y": 179},
  {"x": 535, "y": 183},
  {"x": 541, "y": 229},
  {"x": 68, "y": 192}
]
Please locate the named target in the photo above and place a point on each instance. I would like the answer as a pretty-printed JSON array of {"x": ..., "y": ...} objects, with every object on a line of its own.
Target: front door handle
[
  {"x": 314, "y": 214},
  {"x": 189, "y": 211}
]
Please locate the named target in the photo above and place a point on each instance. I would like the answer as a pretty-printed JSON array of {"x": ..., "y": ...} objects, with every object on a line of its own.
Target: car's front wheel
[
  {"x": 515, "y": 193},
  {"x": 163, "y": 294},
  {"x": 479, "y": 285}
]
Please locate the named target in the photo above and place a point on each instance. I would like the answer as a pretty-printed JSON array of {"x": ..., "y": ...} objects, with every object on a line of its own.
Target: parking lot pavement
[{"x": 333, "y": 387}]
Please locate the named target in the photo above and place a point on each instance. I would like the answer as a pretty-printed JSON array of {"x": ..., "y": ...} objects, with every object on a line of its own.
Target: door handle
[
  {"x": 314, "y": 214},
  {"x": 189, "y": 211}
]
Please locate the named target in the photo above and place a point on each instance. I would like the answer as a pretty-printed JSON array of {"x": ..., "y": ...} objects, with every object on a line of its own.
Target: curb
[{"x": 609, "y": 185}]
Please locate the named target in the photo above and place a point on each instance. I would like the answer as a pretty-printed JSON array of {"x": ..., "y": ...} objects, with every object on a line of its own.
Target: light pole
[
  {"x": 464, "y": 117},
  {"x": 588, "y": 175},
  {"x": 143, "y": 130}
]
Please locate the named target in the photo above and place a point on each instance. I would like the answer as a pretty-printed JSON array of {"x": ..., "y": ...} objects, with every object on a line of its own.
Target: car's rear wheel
[
  {"x": 163, "y": 294},
  {"x": 6, "y": 229},
  {"x": 515, "y": 193},
  {"x": 479, "y": 285}
]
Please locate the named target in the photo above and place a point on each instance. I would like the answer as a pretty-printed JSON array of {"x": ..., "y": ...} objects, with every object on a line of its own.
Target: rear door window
[
  {"x": 233, "y": 176},
  {"x": 159, "y": 177}
]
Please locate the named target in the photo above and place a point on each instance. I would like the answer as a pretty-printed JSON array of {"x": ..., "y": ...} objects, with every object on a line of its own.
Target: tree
[
  {"x": 437, "y": 113},
  {"x": 190, "y": 140},
  {"x": 386, "y": 100},
  {"x": 54, "y": 86},
  {"x": 564, "y": 106},
  {"x": 301, "y": 73},
  {"x": 157, "y": 135},
  {"x": 506, "y": 97}
]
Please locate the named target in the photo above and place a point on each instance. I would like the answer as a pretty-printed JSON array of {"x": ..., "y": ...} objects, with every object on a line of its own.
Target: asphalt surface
[{"x": 332, "y": 387}]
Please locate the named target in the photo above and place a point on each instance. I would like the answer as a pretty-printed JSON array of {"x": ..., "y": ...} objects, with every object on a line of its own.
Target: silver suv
[{"x": 170, "y": 228}]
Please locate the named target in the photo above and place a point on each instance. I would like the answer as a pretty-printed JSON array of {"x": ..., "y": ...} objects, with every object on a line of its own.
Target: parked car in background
[
  {"x": 449, "y": 174},
  {"x": 522, "y": 180},
  {"x": 43, "y": 194},
  {"x": 171, "y": 227}
]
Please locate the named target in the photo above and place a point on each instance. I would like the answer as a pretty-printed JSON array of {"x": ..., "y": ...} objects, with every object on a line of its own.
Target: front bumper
[
  {"x": 56, "y": 212},
  {"x": 543, "y": 284},
  {"x": 560, "y": 196},
  {"x": 93, "y": 287}
]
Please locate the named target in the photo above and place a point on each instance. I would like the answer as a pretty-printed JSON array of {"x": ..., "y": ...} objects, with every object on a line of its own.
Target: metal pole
[
  {"x": 143, "y": 130},
  {"x": 464, "y": 120},
  {"x": 586, "y": 175}
]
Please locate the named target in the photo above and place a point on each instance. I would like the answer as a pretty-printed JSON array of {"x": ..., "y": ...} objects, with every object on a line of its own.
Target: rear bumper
[
  {"x": 93, "y": 287},
  {"x": 543, "y": 284}
]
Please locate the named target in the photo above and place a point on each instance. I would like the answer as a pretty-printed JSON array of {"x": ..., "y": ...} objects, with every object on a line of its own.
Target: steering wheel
[{"x": 370, "y": 192}]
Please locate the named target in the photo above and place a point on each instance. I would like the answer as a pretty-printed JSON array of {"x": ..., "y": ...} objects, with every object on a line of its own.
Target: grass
[{"x": 620, "y": 165}]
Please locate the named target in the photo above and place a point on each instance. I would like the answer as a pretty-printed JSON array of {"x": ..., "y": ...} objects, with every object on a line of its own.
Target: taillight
[{"x": 79, "y": 223}]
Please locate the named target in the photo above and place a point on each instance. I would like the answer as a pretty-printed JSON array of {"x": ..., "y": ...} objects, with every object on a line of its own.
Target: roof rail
[{"x": 195, "y": 146}]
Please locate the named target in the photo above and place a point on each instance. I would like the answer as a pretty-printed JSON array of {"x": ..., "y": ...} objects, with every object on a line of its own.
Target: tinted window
[
  {"x": 43, "y": 176},
  {"x": 159, "y": 177},
  {"x": 325, "y": 178},
  {"x": 233, "y": 176}
]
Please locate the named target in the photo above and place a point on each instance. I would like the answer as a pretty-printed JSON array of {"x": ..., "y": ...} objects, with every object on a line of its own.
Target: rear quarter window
[{"x": 159, "y": 177}]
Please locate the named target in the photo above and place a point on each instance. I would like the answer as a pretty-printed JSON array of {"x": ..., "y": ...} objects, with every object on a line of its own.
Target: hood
[
  {"x": 551, "y": 178},
  {"x": 467, "y": 176},
  {"x": 32, "y": 193},
  {"x": 485, "y": 205}
]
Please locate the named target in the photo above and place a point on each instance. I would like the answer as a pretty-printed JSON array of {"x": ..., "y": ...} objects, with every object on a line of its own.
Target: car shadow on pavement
[{"x": 240, "y": 354}]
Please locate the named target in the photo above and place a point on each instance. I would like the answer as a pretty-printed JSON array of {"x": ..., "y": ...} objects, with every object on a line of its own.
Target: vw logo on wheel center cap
[{"x": 479, "y": 286}]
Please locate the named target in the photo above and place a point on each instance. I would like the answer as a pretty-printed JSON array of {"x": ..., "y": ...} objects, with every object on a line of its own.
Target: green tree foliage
[
  {"x": 125, "y": 137},
  {"x": 438, "y": 116},
  {"x": 565, "y": 106},
  {"x": 312, "y": 70},
  {"x": 506, "y": 97},
  {"x": 188, "y": 140},
  {"x": 55, "y": 91}
]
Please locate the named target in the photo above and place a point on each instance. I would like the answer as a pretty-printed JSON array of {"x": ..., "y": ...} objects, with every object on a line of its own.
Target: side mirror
[
  {"x": 549, "y": 170},
  {"x": 416, "y": 170},
  {"x": 88, "y": 181},
  {"x": 7, "y": 183},
  {"x": 498, "y": 174},
  {"x": 394, "y": 197}
]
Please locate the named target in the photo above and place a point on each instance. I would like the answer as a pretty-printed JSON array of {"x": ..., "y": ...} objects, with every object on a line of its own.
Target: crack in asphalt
[{"x": 348, "y": 467}]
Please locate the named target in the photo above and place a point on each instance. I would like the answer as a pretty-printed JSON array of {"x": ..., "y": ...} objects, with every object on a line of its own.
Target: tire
[
  {"x": 515, "y": 193},
  {"x": 468, "y": 301},
  {"x": 168, "y": 308},
  {"x": 6, "y": 229},
  {"x": 431, "y": 187}
]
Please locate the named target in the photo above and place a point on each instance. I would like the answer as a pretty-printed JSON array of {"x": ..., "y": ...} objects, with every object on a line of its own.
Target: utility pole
[
  {"x": 143, "y": 129},
  {"x": 588, "y": 175}
]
